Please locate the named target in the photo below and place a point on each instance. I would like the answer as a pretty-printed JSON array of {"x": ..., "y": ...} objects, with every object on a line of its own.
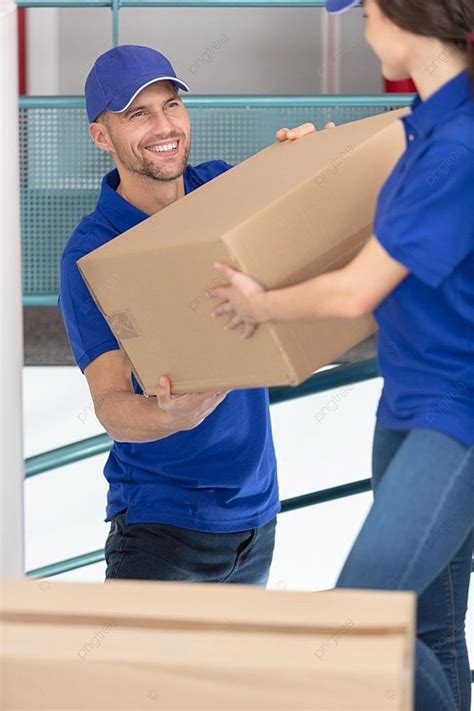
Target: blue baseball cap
[
  {"x": 336, "y": 7},
  {"x": 121, "y": 73}
]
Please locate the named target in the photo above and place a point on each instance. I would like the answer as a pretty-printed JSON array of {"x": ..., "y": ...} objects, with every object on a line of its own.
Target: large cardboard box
[
  {"x": 287, "y": 214},
  {"x": 137, "y": 645}
]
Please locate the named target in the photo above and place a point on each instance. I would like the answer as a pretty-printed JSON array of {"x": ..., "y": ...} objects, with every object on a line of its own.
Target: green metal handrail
[
  {"x": 320, "y": 382},
  {"x": 69, "y": 454},
  {"x": 91, "y": 447},
  {"x": 65, "y": 566},
  {"x": 232, "y": 101},
  {"x": 38, "y": 300},
  {"x": 329, "y": 379},
  {"x": 334, "y": 493},
  {"x": 297, "y": 502},
  {"x": 171, "y": 3},
  {"x": 117, "y": 5},
  {"x": 336, "y": 377}
]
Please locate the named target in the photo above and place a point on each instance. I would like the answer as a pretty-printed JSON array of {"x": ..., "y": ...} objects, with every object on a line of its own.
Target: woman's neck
[{"x": 435, "y": 65}]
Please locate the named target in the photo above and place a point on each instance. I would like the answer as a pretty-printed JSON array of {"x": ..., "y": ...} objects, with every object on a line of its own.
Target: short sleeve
[
  {"x": 88, "y": 332},
  {"x": 429, "y": 225}
]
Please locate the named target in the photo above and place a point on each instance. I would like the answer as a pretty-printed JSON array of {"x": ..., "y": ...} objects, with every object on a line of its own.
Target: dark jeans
[
  {"x": 156, "y": 551},
  {"x": 418, "y": 536}
]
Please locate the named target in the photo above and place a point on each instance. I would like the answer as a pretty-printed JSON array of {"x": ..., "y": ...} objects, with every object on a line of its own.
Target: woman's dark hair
[{"x": 450, "y": 21}]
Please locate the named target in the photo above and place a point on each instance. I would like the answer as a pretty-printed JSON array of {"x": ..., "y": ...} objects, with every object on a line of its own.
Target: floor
[{"x": 46, "y": 342}]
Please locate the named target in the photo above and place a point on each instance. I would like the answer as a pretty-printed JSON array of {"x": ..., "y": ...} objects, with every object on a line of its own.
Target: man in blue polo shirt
[{"x": 193, "y": 491}]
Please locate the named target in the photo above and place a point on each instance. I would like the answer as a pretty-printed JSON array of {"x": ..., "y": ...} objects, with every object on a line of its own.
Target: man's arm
[{"x": 128, "y": 417}]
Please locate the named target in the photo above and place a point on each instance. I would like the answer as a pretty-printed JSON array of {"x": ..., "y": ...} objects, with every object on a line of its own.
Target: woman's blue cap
[
  {"x": 121, "y": 73},
  {"x": 336, "y": 7}
]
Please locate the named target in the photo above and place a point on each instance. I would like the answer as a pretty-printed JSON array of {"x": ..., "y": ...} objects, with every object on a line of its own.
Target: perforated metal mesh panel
[
  {"x": 234, "y": 134},
  {"x": 61, "y": 169},
  {"x": 60, "y": 178}
]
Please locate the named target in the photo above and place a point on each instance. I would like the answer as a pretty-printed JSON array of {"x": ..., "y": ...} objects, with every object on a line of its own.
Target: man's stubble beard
[
  {"x": 150, "y": 170},
  {"x": 147, "y": 169}
]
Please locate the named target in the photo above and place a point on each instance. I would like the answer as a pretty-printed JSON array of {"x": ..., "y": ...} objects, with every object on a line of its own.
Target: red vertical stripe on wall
[
  {"x": 400, "y": 87},
  {"x": 22, "y": 88}
]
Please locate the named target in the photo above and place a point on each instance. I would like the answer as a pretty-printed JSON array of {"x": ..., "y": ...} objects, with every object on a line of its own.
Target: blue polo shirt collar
[
  {"x": 120, "y": 213},
  {"x": 427, "y": 115}
]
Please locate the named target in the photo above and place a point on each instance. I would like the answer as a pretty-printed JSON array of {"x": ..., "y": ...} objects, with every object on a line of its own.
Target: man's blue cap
[
  {"x": 121, "y": 73},
  {"x": 336, "y": 7}
]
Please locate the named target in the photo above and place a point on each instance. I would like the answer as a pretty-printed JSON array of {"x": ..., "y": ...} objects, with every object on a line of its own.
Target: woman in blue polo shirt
[{"x": 416, "y": 274}]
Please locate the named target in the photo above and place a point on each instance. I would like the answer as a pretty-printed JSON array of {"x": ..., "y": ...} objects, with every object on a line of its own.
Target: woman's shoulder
[{"x": 460, "y": 129}]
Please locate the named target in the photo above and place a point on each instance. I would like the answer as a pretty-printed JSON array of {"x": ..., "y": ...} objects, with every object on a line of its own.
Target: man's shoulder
[
  {"x": 94, "y": 229},
  {"x": 92, "y": 232}
]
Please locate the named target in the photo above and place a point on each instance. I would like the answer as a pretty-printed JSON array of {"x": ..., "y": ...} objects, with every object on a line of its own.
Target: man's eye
[
  {"x": 173, "y": 104},
  {"x": 137, "y": 113}
]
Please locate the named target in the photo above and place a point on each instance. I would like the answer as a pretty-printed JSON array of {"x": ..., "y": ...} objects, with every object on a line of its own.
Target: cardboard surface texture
[
  {"x": 142, "y": 645},
  {"x": 289, "y": 213}
]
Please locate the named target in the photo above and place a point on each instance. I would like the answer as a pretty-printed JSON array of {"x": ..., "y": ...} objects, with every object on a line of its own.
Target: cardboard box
[
  {"x": 289, "y": 213},
  {"x": 139, "y": 645}
]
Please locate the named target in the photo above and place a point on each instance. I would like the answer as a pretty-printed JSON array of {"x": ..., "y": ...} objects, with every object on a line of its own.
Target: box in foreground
[{"x": 142, "y": 645}]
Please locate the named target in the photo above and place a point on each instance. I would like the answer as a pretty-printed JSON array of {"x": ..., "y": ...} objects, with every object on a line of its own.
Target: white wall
[
  {"x": 42, "y": 41},
  {"x": 11, "y": 455},
  {"x": 258, "y": 56}
]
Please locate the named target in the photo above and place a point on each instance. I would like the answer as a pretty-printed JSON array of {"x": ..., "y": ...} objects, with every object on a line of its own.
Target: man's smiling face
[{"x": 152, "y": 138}]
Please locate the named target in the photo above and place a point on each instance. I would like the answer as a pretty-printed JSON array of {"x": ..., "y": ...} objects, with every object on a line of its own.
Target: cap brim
[
  {"x": 337, "y": 7},
  {"x": 122, "y": 101}
]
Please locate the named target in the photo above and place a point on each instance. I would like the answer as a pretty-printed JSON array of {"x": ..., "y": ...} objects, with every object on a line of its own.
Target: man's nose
[{"x": 162, "y": 123}]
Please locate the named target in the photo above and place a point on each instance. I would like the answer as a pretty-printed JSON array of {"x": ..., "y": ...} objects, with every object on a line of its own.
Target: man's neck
[{"x": 148, "y": 195}]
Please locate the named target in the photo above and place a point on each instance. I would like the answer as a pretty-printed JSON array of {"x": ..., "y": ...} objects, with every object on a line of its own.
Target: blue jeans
[
  {"x": 156, "y": 551},
  {"x": 418, "y": 536}
]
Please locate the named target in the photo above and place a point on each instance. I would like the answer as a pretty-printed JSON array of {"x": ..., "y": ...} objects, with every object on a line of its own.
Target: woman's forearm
[
  {"x": 330, "y": 295},
  {"x": 351, "y": 292}
]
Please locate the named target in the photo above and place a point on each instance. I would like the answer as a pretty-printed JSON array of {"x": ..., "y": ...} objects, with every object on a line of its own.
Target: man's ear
[{"x": 100, "y": 135}]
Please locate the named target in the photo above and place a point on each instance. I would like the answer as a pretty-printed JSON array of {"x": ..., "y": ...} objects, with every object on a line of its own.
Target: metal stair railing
[
  {"x": 93, "y": 446},
  {"x": 336, "y": 377}
]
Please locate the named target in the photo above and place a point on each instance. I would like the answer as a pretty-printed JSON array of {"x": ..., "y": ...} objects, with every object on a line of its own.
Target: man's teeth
[{"x": 164, "y": 148}]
